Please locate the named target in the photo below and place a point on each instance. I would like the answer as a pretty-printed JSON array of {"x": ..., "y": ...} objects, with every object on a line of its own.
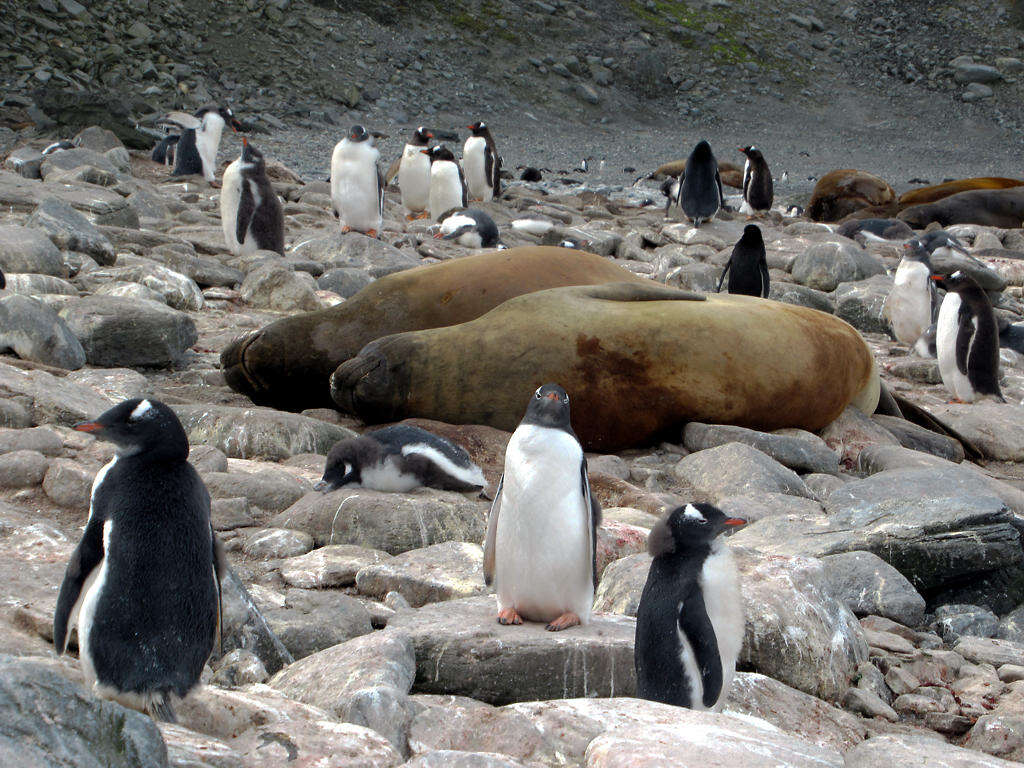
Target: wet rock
[
  {"x": 804, "y": 453},
  {"x": 35, "y": 332},
  {"x": 276, "y": 543},
  {"x": 736, "y": 468},
  {"x": 23, "y": 249},
  {"x": 444, "y": 571},
  {"x": 869, "y": 585},
  {"x": 276, "y": 287},
  {"x": 823, "y": 266},
  {"x": 333, "y": 566},
  {"x": 70, "y": 230}
]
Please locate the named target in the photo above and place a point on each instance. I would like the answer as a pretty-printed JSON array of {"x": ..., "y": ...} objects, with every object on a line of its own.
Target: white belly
[
  {"x": 230, "y": 197},
  {"x": 543, "y": 557},
  {"x": 721, "y": 588},
  {"x": 92, "y": 589},
  {"x": 354, "y": 186},
  {"x": 909, "y": 304},
  {"x": 475, "y": 167},
  {"x": 414, "y": 179},
  {"x": 207, "y": 142},
  {"x": 445, "y": 188},
  {"x": 946, "y": 331}
]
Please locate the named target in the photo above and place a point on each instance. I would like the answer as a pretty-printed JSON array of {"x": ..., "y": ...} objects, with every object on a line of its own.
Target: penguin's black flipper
[
  {"x": 695, "y": 624},
  {"x": 380, "y": 191},
  {"x": 593, "y": 507},
  {"x": 86, "y": 558},
  {"x": 724, "y": 273},
  {"x": 465, "y": 189},
  {"x": 964, "y": 336},
  {"x": 464, "y": 229},
  {"x": 246, "y": 209},
  {"x": 492, "y": 534},
  {"x": 765, "y": 279},
  {"x": 721, "y": 194},
  {"x": 489, "y": 165}
]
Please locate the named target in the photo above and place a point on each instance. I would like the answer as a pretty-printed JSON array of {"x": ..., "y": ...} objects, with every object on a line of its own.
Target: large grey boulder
[
  {"x": 444, "y": 571},
  {"x": 860, "y": 303},
  {"x": 996, "y": 429},
  {"x": 804, "y": 453},
  {"x": 68, "y": 159},
  {"x": 918, "y": 751},
  {"x": 353, "y": 249},
  {"x": 23, "y": 249},
  {"x": 175, "y": 289},
  {"x": 333, "y": 566},
  {"x": 123, "y": 332},
  {"x": 310, "y": 621},
  {"x": 35, "y": 285},
  {"x": 273, "y": 286},
  {"x": 35, "y": 332},
  {"x": 824, "y": 266},
  {"x": 735, "y": 468},
  {"x": 870, "y": 586},
  {"x": 50, "y": 399},
  {"x": 71, "y": 231},
  {"x": 268, "y": 491}
]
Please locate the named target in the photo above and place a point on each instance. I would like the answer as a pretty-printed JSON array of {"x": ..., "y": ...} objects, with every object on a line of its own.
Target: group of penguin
[{"x": 143, "y": 585}]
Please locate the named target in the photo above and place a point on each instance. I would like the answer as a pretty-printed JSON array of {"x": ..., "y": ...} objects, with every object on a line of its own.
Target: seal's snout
[
  {"x": 232, "y": 362},
  {"x": 364, "y": 386}
]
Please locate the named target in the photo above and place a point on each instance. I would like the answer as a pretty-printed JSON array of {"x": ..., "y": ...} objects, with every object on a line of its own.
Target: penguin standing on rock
[
  {"x": 472, "y": 228},
  {"x": 967, "y": 340},
  {"x": 447, "y": 183},
  {"x": 700, "y": 186},
  {"x": 541, "y": 547},
  {"x": 357, "y": 185},
  {"x": 414, "y": 175},
  {"x": 143, "y": 584},
  {"x": 250, "y": 213},
  {"x": 481, "y": 164},
  {"x": 747, "y": 266},
  {"x": 758, "y": 190},
  {"x": 196, "y": 152},
  {"x": 909, "y": 305},
  {"x": 689, "y": 623},
  {"x": 398, "y": 459}
]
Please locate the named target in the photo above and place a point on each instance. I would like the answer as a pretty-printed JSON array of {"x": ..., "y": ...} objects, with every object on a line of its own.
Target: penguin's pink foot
[
  {"x": 422, "y": 215},
  {"x": 955, "y": 400},
  {"x": 371, "y": 233},
  {"x": 508, "y": 616},
  {"x": 215, "y": 184},
  {"x": 564, "y": 621},
  {"x": 438, "y": 235},
  {"x": 345, "y": 228}
]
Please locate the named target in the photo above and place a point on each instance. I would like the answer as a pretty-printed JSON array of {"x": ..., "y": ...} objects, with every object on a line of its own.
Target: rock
[
  {"x": 35, "y": 285},
  {"x": 999, "y": 735},
  {"x": 49, "y": 399},
  {"x": 239, "y": 667},
  {"x": 244, "y": 433},
  {"x": 1011, "y": 626},
  {"x": 452, "y": 758},
  {"x": 116, "y": 384},
  {"x": 868, "y": 704},
  {"x": 952, "y": 621},
  {"x": 70, "y": 230},
  {"x": 852, "y": 432},
  {"x": 984, "y": 650},
  {"x": 97, "y": 139},
  {"x": 311, "y": 744},
  {"x": 276, "y": 287},
  {"x": 916, "y": 751},
  {"x": 35, "y": 332},
  {"x": 228, "y": 514},
  {"x": 175, "y": 289},
  {"x": 311, "y": 621},
  {"x": 801, "y": 296},
  {"x": 824, "y": 266},
  {"x": 276, "y": 543},
  {"x": 869, "y": 585},
  {"x": 996, "y": 429},
  {"x": 23, "y": 249},
  {"x": 968, "y": 72},
  {"x": 860, "y": 303},
  {"x": 1011, "y": 673},
  {"x": 78, "y": 157},
  {"x": 22, "y": 469},
  {"x": 621, "y": 584},
  {"x": 916, "y": 438},
  {"x": 186, "y": 748},
  {"x": 736, "y": 468},
  {"x": 36, "y": 439},
  {"x": 124, "y": 332},
  {"x": 808, "y": 454},
  {"x": 444, "y": 571},
  {"x": 392, "y": 522},
  {"x": 462, "y": 650},
  {"x": 344, "y": 281},
  {"x": 68, "y": 485},
  {"x": 268, "y": 492},
  {"x": 353, "y": 249},
  {"x": 618, "y": 540},
  {"x": 333, "y": 566},
  {"x": 47, "y": 721}
]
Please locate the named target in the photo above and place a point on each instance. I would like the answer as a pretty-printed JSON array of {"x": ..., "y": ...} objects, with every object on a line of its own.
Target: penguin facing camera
[
  {"x": 414, "y": 175},
  {"x": 357, "y": 184},
  {"x": 397, "y": 459},
  {"x": 541, "y": 548},
  {"x": 143, "y": 584},
  {"x": 250, "y": 213},
  {"x": 758, "y": 189},
  {"x": 472, "y": 228},
  {"x": 689, "y": 623},
  {"x": 747, "y": 266},
  {"x": 910, "y": 305},
  {"x": 700, "y": 186},
  {"x": 481, "y": 164},
  {"x": 447, "y": 182}
]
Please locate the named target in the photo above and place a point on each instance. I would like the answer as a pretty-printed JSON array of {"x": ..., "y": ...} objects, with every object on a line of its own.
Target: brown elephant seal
[
  {"x": 730, "y": 173},
  {"x": 1003, "y": 208},
  {"x": 938, "y": 191},
  {"x": 287, "y": 363},
  {"x": 839, "y": 193},
  {"x": 639, "y": 360}
]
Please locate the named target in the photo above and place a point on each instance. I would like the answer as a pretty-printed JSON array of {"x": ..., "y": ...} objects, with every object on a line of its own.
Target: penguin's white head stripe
[
  {"x": 694, "y": 514},
  {"x": 956, "y": 275},
  {"x": 141, "y": 410},
  {"x": 348, "y": 468}
]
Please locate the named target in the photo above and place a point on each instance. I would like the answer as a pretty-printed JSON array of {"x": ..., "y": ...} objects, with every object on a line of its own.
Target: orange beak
[
  {"x": 245, "y": 142},
  {"x": 88, "y": 426},
  {"x": 424, "y": 151},
  {"x": 552, "y": 396},
  {"x": 737, "y": 521},
  {"x": 937, "y": 278},
  {"x": 430, "y": 135}
]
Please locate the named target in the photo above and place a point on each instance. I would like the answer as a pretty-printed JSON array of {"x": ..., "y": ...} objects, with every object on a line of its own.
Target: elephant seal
[
  {"x": 287, "y": 363},
  {"x": 936, "y": 192},
  {"x": 1003, "y": 208},
  {"x": 638, "y": 359},
  {"x": 839, "y": 193},
  {"x": 730, "y": 173}
]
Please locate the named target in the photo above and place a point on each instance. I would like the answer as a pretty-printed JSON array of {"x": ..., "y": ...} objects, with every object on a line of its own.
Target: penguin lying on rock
[{"x": 472, "y": 228}]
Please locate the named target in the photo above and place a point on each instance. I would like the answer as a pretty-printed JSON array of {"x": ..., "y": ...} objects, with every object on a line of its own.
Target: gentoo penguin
[
  {"x": 758, "y": 191},
  {"x": 3, "y": 280},
  {"x": 447, "y": 184},
  {"x": 250, "y": 213},
  {"x": 163, "y": 152},
  {"x": 541, "y": 545},
  {"x": 967, "y": 340},
  {"x": 200, "y": 137},
  {"x": 875, "y": 230},
  {"x": 670, "y": 189},
  {"x": 747, "y": 266},
  {"x": 531, "y": 174},
  {"x": 481, "y": 164},
  {"x": 700, "y": 186},
  {"x": 940, "y": 242},
  {"x": 909, "y": 305},
  {"x": 472, "y": 228},
  {"x": 143, "y": 584},
  {"x": 689, "y": 623},
  {"x": 398, "y": 459},
  {"x": 357, "y": 186},
  {"x": 414, "y": 175}
]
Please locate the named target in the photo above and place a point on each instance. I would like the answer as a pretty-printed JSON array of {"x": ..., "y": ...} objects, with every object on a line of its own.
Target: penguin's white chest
[
  {"x": 207, "y": 142},
  {"x": 909, "y": 304},
  {"x": 474, "y": 164},
  {"x": 543, "y": 558},
  {"x": 230, "y": 198},
  {"x": 354, "y": 189},
  {"x": 445, "y": 187},
  {"x": 414, "y": 179},
  {"x": 946, "y": 333}
]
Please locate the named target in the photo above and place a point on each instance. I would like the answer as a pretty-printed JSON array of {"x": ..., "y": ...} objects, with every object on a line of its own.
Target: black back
[
  {"x": 164, "y": 146},
  {"x": 186, "y": 155},
  {"x": 747, "y": 266},
  {"x": 264, "y": 219},
  {"x": 889, "y": 229},
  {"x": 758, "y": 187},
  {"x": 940, "y": 238},
  {"x": 700, "y": 190},
  {"x": 3, "y": 280},
  {"x": 484, "y": 226},
  {"x": 977, "y": 338}
]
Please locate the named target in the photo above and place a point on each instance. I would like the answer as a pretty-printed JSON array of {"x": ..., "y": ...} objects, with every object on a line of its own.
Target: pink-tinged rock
[
  {"x": 314, "y": 744},
  {"x": 618, "y": 540}
]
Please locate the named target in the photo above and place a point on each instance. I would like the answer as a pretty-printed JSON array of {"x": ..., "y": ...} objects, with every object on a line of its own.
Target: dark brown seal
[
  {"x": 839, "y": 193},
  {"x": 1002, "y": 208},
  {"x": 938, "y": 191}
]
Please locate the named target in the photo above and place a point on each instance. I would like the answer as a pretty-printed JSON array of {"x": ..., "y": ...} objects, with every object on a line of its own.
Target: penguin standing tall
[
  {"x": 967, "y": 340},
  {"x": 250, "y": 213},
  {"x": 196, "y": 151},
  {"x": 747, "y": 266},
  {"x": 143, "y": 584},
  {"x": 447, "y": 184},
  {"x": 357, "y": 186},
  {"x": 909, "y": 305},
  {"x": 481, "y": 164},
  {"x": 414, "y": 175},
  {"x": 700, "y": 186},
  {"x": 689, "y": 623},
  {"x": 541, "y": 547},
  {"x": 758, "y": 190}
]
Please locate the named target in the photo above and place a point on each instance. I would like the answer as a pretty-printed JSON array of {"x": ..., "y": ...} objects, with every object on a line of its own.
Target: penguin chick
[
  {"x": 251, "y": 215},
  {"x": 143, "y": 584},
  {"x": 909, "y": 305},
  {"x": 414, "y": 175},
  {"x": 670, "y": 189},
  {"x": 540, "y": 551},
  {"x": 700, "y": 187},
  {"x": 163, "y": 152},
  {"x": 967, "y": 340},
  {"x": 398, "y": 459},
  {"x": 357, "y": 184},
  {"x": 689, "y": 623},
  {"x": 747, "y": 266},
  {"x": 758, "y": 189},
  {"x": 472, "y": 228}
]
